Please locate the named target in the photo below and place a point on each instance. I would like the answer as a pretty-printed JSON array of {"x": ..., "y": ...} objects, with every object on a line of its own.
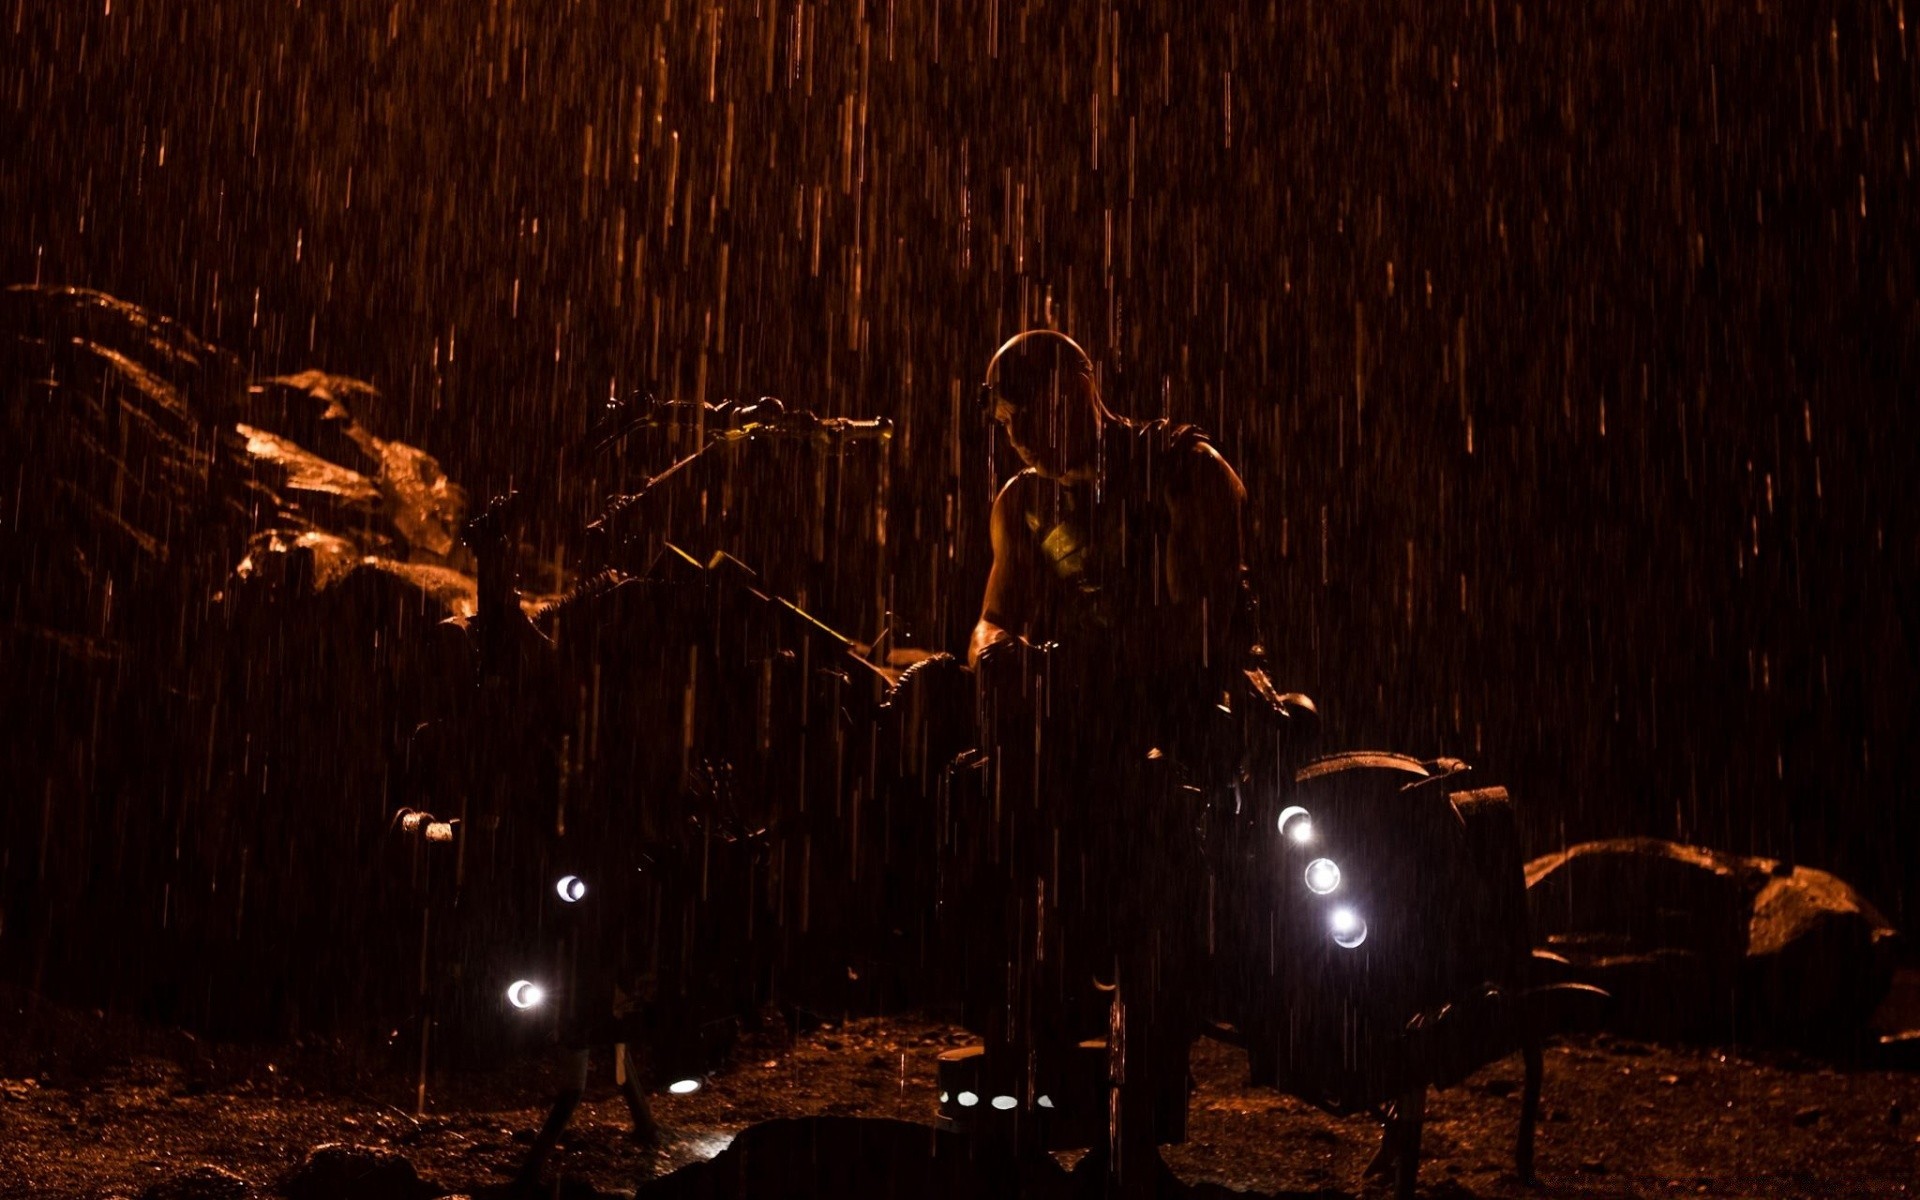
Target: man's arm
[
  {"x": 1205, "y": 552},
  {"x": 1003, "y": 611}
]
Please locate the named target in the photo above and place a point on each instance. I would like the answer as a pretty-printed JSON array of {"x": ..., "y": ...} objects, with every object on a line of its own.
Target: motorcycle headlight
[
  {"x": 1294, "y": 824},
  {"x": 570, "y": 888},
  {"x": 525, "y": 993},
  {"x": 1323, "y": 875},
  {"x": 1348, "y": 928}
]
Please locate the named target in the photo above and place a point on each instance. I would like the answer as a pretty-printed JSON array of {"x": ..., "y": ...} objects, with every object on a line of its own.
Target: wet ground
[{"x": 93, "y": 1107}]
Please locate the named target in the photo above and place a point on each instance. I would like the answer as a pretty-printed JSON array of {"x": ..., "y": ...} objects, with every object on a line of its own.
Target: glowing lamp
[
  {"x": 1348, "y": 929},
  {"x": 1323, "y": 875}
]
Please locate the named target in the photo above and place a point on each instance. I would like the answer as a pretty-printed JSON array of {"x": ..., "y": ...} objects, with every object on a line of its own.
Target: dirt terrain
[{"x": 92, "y": 1107}]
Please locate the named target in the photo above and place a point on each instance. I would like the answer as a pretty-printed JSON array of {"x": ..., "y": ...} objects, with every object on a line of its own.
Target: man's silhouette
[
  {"x": 1118, "y": 533},
  {"x": 1108, "y": 644}
]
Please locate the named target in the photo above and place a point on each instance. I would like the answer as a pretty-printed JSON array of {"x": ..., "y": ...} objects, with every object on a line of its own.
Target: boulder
[
  {"x": 229, "y": 608},
  {"x": 1704, "y": 945},
  {"x": 337, "y": 1171},
  {"x": 1819, "y": 959}
]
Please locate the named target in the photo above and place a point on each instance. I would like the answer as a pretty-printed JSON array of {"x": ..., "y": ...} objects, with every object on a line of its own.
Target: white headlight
[
  {"x": 1323, "y": 875},
  {"x": 1294, "y": 824},
  {"x": 684, "y": 1087},
  {"x": 525, "y": 993},
  {"x": 570, "y": 888},
  {"x": 1349, "y": 930},
  {"x": 968, "y": 1099},
  {"x": 1005, "y": 1103}
]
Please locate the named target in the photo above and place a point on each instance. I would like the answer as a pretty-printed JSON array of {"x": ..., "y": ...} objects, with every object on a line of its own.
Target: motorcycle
[{"x": 737, "y": 804}]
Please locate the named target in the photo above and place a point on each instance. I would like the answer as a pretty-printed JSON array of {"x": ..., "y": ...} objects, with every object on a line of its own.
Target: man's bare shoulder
[
  {"x": 1026, "y": 493},
  {"x": 1020, "y": 499},
  {"x": 1024, "y": 487},
  {"x": 1209, "y": 475}
]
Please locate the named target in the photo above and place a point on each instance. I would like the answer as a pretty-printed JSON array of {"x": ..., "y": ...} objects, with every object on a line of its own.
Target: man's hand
[
  {"x": 989, "y": 641},
  {"x": 1004, "y": 659},
  {"x": 1000, "y": 654}
]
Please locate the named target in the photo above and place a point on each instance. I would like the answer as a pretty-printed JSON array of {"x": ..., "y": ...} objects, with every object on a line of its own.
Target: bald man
[
  {"x": 1119, "y": 539},
  {"x": 1108, "y": 642}
]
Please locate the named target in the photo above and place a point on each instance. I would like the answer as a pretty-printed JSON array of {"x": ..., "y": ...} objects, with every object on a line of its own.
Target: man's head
[{"x": 1040, "y": 388}]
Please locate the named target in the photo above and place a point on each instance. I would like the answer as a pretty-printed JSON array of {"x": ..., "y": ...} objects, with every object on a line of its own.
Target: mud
[{"x": 95, "y": 1107}]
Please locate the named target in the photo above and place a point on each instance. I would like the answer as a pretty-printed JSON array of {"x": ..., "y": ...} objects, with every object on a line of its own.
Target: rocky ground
[{"x": 91, "y": 1107}]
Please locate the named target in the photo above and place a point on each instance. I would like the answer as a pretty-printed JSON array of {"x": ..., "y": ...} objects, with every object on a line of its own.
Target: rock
[
  {"x": 1661, "y": 926},
  {"x": 1698, "y": 944},
  {"x": 1900, "y": 1051},
  {"x": 201, "y": 1183},
  {"x": 336, "y": 1171},
  {"x": 303, "y": 438},
  {"x": 188, "y": 554},
  {"x": 1819, "y": 959}
]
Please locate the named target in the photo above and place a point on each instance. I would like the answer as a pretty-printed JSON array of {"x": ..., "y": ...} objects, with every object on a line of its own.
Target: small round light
[
  {"x": 1045, "y": 1102},
  {"x": 525, "y": 993},
  {"x": 943, "y": 1097},
  {"x": 968, "y": 1099},
  {"x": 1323, "y": 875},
  {"x": 1349, "y": 930},
  {"x": 684, "y": 1087},
  {"x": 1005, "y": 1103},
  {"x": 571, "y": 888},
  {"x": 1295, "y": 824}
]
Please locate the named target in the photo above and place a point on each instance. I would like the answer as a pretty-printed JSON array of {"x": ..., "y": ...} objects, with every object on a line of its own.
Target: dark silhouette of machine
[{"x": 731, "y": 802}]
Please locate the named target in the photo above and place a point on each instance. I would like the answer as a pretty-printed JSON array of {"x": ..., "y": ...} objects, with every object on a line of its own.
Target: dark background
[{"x": 1567, "y": 350}]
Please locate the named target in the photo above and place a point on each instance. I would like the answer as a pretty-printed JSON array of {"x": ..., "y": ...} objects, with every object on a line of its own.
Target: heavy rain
[{"x": 847, "y": 598}]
